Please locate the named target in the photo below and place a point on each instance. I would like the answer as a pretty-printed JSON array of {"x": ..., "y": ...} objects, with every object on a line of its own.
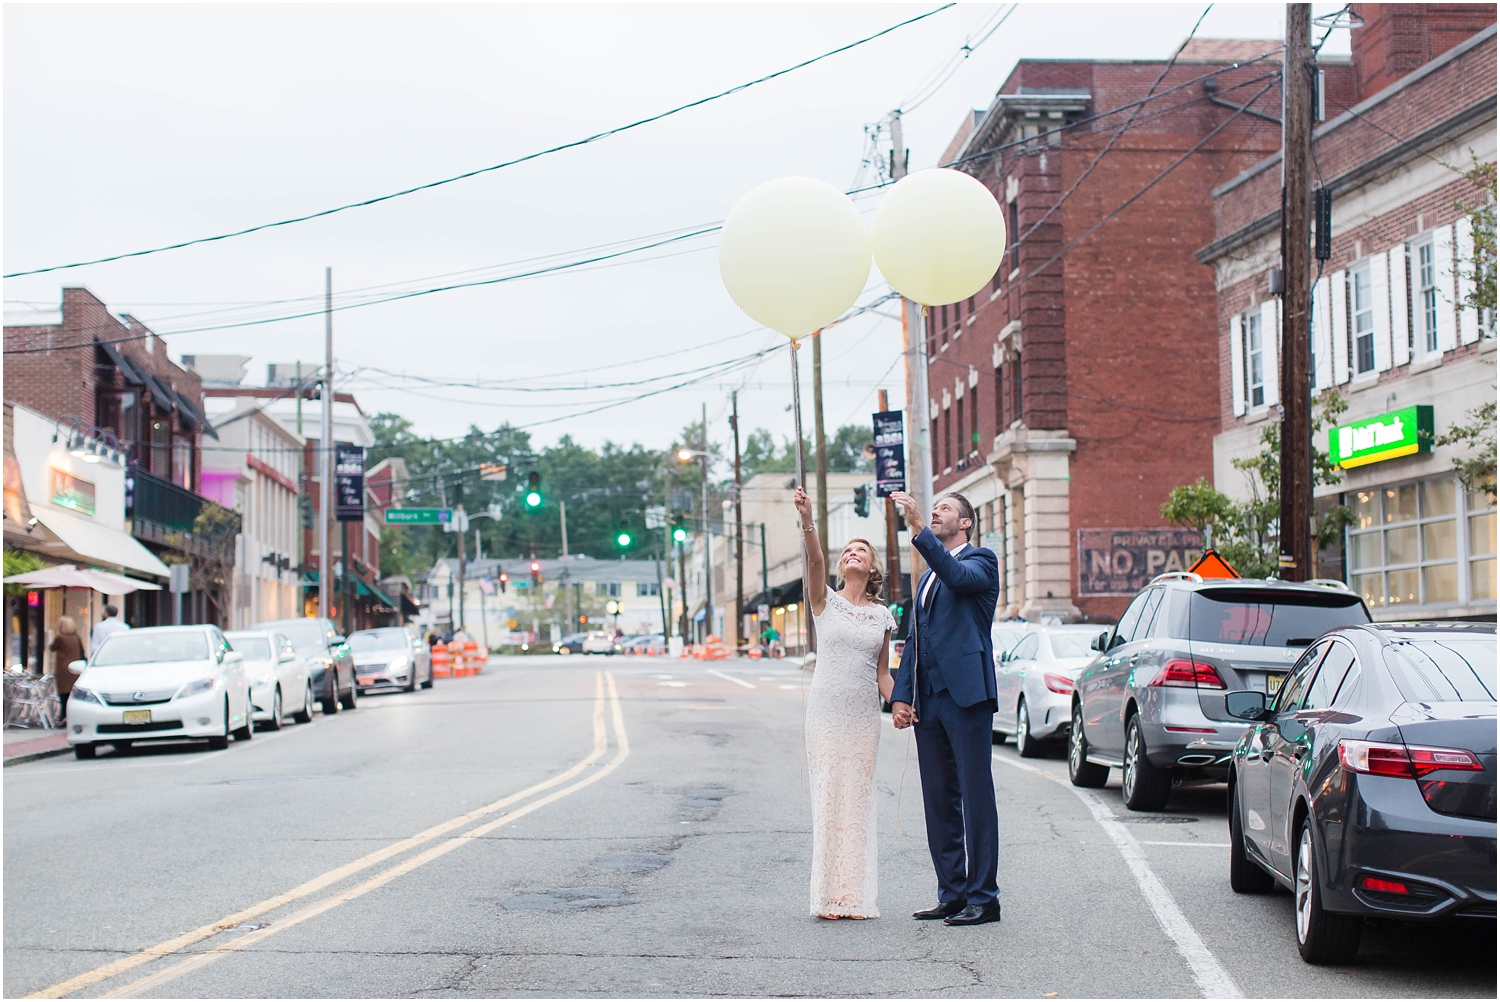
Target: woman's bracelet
[{"x": 809, "y": 528}]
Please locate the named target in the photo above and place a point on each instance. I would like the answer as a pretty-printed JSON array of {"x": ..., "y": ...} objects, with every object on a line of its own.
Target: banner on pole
[
  {"x": 890, "y": 453},
  {"x": 349, "y": 478}
]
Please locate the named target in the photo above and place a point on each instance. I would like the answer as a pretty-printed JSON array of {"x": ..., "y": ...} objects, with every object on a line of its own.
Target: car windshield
[
  {"x": 1072, "y": 645},
  {"x": 379, "y": 640},
  {"x": 1454, "y": 669},
  {"x": 254, "y": 648},
  {"x": 1268, "y": 618},
  {"x": 308, "y": 636},
  {"x": 143, "y": 646}
]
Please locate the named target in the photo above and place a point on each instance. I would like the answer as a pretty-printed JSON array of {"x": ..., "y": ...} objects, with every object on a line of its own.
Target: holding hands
[{"x": 902, "y": 716}]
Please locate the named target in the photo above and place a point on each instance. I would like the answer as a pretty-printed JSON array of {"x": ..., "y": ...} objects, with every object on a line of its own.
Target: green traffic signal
[
  {"x": 533, "y": 499},
  {"x": 679, "y": 534},
  {"x": 623, "y": 539}
]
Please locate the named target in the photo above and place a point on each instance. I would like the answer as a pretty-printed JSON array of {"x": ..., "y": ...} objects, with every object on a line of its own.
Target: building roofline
[{"x": 1339, "y": 121}]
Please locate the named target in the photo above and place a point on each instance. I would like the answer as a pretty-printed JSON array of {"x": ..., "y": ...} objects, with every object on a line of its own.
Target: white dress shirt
[
  {"x": 104, "y": 629},
  {"x": 932, "y": 578}
]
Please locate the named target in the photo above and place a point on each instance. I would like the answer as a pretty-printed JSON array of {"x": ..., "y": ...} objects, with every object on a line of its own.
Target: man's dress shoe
[
  {"x": 942, "y": 911},
  {"x": 975, "y": 915}
]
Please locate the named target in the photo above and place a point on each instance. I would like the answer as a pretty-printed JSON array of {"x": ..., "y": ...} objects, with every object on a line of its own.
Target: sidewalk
[{"x": 24, "y": 745}]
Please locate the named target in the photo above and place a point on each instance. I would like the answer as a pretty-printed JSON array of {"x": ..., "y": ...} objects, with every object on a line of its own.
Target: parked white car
[
  {"x": 601, "y": 642},
  {"x": 279, "y": 680},
  {"x": 160, "y": 682},
  {"x": 1034, "y": 685}
]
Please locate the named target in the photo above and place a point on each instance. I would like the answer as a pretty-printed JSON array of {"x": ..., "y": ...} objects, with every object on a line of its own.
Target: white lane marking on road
[
  {"x": 1213, "y": 981},
  {"x": 731, "y": 678},
  {"x": 789, "y": 687},
  {"x": 193, "y": 963},
  {"x": 1206, "y": 845},
  {"x": 674, "y": 685},
  {"x": 333, "y": 876}
]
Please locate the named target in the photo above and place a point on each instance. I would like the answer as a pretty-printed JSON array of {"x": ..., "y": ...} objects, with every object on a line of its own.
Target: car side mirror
[
  {"x": 77, "y": 667},
  {"x": 233, "y": 657},
  {"x": 338, "y": 641},
  {"x": 1004, "y": 657},
  {"x": 285, "y": 657},
  {"x": 1245, "y": 704},
  {"x": 1100, "y": 643}
]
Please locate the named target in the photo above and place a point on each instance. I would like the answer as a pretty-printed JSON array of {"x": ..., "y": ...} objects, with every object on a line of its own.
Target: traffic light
[
  {"x": 307, "y": 510},
  {"x": 862, "y": 501},
  {"x": 679, "y": 531},
  {"x": 624, "y": 537},
  {"x": 534, "y": 490},
  {"x": 504, "y": 580},
  {"x": 536, "y": 572}
]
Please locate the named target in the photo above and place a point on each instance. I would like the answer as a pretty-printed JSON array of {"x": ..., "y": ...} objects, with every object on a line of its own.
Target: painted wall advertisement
[{"x": 1123, "y": 561}]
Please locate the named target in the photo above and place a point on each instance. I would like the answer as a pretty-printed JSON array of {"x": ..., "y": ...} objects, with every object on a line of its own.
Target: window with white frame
[
  {"x": 1255, "y": 360},
  {"x": 607, "y": 588},
  {"x": 647, "y": 589},
  {"x": 1423, "y": 543},
  {"x": 1424, "y": 298},
  {"x": 1362, "y": 319}
]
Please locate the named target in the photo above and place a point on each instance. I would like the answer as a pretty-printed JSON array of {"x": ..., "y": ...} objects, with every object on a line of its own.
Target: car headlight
[
  {"x": 397, "y": 663},
  {"x": 193, "y": 688},
  {"x": 85, "y": 695}
]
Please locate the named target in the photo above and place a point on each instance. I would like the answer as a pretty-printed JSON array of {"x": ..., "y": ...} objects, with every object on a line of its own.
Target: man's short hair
[
  {"x": 110, "y": 612},
  {"x": 965, "y": 510}
]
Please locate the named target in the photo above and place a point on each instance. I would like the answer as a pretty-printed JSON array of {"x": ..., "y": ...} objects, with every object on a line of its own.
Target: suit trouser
[{"x": 958, "y": 794}]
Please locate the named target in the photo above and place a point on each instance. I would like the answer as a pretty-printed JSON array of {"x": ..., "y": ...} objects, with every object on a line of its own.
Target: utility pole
[
  {"x": 1296, "y": 298},
  {"x": 458, "y": 515},
  {"x": 347, "y": 562},
  {"x": 741, "y": 643},
  {"x": 325, "y": 464},
  {"x": 892, "y": 542},
  {"x": 765, "y": 570},
  {"x": 682, "y": 625},
  {"x": 914, "y": 351},
  {"x": 568, "y": 605},
  {"x": 708, "y": 557},
  {"x": 820, "y": 445}
]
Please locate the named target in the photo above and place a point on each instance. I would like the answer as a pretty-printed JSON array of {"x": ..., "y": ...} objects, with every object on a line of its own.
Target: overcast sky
[{"x": 128, "y": 127}]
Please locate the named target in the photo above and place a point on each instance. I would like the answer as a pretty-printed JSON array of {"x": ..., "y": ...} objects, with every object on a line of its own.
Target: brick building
[
  {"x": 1074, "y": 391},
  {"x": 1389, "y": 331},
  {"x": 111, "y": 377}
]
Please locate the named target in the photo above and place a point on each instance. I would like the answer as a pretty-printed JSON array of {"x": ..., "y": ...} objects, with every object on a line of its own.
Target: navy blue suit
[{"x": 947, "y": 674}]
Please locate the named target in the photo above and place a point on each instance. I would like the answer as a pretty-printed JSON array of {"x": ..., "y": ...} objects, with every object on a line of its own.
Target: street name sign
[
  {"x": 418, "y": 516},
  {"x": 1384, "y": 436}
]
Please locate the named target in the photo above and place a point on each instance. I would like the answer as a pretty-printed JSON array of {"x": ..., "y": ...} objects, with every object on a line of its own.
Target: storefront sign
[
  {"x": 417, "y": 516},
  {"x": 1123, "y": 561},
  {"x": 890, "y": 453},
  {"x": 349, "y": 482},
  {"x": 1384, "y": 436},
  {"x": 72, "y": 493}
]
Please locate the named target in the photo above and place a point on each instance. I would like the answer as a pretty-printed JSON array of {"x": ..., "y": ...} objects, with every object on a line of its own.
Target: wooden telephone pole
[{"x": 1296, "y": 298}]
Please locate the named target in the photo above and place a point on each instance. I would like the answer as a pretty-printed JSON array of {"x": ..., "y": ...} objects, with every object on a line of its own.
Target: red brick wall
[{"x": 1397, "y": 38}]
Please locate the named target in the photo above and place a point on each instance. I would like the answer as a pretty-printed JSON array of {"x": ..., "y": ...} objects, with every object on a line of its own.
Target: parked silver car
[
  {"x": 1034, "y": 685},
  {"x": 1152, "y": 704}
]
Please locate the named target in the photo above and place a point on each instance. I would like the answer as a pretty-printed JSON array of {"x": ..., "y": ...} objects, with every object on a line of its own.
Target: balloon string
[{"x": 901, "y": 787}]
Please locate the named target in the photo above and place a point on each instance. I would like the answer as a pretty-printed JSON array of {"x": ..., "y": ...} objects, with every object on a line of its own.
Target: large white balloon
[
  {"x": 794, "y": 254},
  {"x": 938, "y": 236}
]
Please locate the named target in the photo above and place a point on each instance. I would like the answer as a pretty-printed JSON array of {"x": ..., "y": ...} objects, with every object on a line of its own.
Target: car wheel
[
  {"x": 1026, "y": 745},
  {"x": 330, "y": 702},
  {"x": 304, "y": 715},
  {"x": 85, "y": 751},
  {"x": 412, "y": 685},
  {"x": 274, "y": 724},
  {"x": 1322, "y": 937},
  {"x": 350, "y": 701},
  {"x": 1245, "y": 877},
  {"x": 1082, "y": 772},
  {"x": 248, "y": 731},
  {"x": 221, "y": 741},
  {"x": 1144, "y": 786}
]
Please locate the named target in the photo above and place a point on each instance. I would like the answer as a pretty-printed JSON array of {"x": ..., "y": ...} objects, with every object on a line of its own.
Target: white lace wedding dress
[{"x": 843, "y": 735}]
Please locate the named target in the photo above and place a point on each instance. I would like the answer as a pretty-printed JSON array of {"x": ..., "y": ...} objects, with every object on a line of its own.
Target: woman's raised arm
[{"x": 815, "y": 584}]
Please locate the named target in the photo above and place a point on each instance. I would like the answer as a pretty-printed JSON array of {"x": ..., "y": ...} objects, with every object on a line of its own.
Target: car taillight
[
  {"x": 1184, "y": 674},
  {"x": 1058, "y": 683},
  {"x": 1377, "y": 758},
  {"x": 1380, "y": 884}
]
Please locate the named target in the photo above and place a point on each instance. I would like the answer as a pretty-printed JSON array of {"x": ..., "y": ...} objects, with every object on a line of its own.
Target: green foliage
[
  {"x": 760, "y": 453},
  {"x": 1476, "y": 472},
  {"x": 1247, "y": 533},
  {"x": 1482, "y": 217},
  {"x": 20, "y": 562}
]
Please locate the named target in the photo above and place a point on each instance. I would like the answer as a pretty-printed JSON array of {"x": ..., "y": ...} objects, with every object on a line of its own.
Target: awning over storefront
[
  {"x": 190, "y": 410},
  {"x": 376, "y": 593},
  {"x": 122, "y": 363},
  {"x": 782, "y": 594},
  {"x": 69, "y": 576},
  {"x": 100, "y": 543}
]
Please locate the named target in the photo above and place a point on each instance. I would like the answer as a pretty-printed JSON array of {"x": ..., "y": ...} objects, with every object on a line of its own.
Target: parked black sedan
[{"x": 1368, "y": 786}]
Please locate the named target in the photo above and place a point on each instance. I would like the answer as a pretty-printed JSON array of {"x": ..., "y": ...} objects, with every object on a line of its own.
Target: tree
[{"x": 1247, "y": 533}]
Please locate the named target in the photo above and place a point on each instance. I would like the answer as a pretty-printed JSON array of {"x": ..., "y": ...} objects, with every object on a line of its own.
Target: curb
[{"x": 32, "y": 757}]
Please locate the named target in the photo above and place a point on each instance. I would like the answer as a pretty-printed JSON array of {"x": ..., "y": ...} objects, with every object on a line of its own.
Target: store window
[
  {"x": 1422, "y": 543},
  {"x": 1255, "y": 360},
  {"x": 1362, "y": 328}
]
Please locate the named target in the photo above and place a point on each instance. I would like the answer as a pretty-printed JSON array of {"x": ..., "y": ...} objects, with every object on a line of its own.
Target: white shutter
[
  {"x": 1322, "y": 343},
  {"x": 1400, "y": 308},
  {"x": 1380, "y": 291},
  {"x": 1270, "y": 337},
  {"x": 1442, "y": 269},
  {"x": 1468, "y": 317},
  {"x": 1237, "y": 363},
  {"x": 1338, "y": 300}
]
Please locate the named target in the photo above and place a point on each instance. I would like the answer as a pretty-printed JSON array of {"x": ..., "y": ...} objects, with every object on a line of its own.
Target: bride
[{"x": 843, "y": 721}]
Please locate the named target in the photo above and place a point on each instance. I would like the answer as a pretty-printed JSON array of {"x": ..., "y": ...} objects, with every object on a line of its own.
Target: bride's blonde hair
[{"x": 877, "y": 577}]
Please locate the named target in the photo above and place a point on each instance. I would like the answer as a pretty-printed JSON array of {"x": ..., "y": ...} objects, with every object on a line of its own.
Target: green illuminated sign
[
  {"x": 418, "y": 516},
  {"x": 1384, "y": 436}
]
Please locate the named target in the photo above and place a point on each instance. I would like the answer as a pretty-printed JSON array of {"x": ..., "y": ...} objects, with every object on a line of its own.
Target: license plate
[
  {"x": 137, "y": 716},
  {"x": 368, "y": 680},
  {"x": 1273, "y": 683}
]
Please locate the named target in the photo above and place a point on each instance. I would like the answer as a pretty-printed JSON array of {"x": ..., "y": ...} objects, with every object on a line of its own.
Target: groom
[{"x": 945, "y": 686}]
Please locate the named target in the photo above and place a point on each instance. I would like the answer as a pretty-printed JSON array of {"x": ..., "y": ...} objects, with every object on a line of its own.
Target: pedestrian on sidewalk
[
  {"x": 66, "y": 648},
  {"x": 109, "y": 625}
]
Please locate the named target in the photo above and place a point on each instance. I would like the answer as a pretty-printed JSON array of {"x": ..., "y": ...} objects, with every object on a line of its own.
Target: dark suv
[{"x": 1152, "y": 703}]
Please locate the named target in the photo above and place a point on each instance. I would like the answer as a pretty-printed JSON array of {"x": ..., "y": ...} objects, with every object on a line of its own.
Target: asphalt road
[{"x": 610, "y": 826}]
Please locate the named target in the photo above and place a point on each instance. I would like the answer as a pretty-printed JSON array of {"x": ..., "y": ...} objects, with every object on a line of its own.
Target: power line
[{"x": 494, "y": 167}]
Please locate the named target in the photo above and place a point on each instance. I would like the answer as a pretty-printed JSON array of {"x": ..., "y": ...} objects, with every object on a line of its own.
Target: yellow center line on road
[
  {"x": 197, "y": 961},
  {"x": 325, "y": 880}
]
